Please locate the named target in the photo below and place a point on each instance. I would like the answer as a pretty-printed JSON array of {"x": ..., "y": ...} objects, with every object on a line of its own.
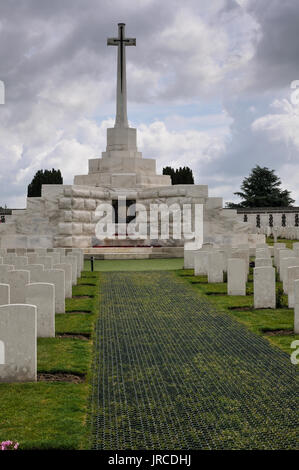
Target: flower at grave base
[{"x": 9, "y": 445}]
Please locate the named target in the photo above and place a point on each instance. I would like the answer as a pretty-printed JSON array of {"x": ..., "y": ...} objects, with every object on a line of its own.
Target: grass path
[
  {"x": 163, "y": 264},
  {"x": 170, "y": 372}
]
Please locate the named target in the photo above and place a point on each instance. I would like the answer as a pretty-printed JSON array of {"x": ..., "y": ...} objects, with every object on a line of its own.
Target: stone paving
[{"x": 170, "y": 372}]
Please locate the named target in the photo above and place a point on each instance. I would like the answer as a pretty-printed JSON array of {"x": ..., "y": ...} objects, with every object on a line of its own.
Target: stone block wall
[{"x": 65, "y": 216}]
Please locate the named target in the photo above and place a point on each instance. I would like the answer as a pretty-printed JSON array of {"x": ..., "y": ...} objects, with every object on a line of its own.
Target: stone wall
[
  {"x": 65, "y": 216},
  {"x": 282, "y": 221}
]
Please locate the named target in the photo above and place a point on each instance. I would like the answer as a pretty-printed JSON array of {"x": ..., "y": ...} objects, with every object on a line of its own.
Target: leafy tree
[
  {"x": 262, "y": 189},
  {"x": 179, "y": 176},
  {"x": 43, "y": 177}
]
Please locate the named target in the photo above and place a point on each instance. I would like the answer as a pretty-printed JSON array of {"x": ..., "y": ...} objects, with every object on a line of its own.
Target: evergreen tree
[
  {"x": 179, "y": 176},
  {"x": 43, "y": 177},
  {"x": 262, "y": 189}
]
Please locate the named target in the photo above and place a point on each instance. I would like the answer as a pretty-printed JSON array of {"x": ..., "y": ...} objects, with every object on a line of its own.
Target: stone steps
[{"x": 134, "y": 253}]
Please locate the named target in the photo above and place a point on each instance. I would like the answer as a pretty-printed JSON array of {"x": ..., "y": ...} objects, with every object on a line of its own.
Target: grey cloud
[{"x": 60, "y": 43}]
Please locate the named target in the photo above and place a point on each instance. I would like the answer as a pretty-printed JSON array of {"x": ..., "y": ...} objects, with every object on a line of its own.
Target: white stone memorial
[
  {"x": 260, "y": 262},
  {"x": 42, "y": 295},
  {"x": 215, "y": 267},
  {"x": 47, "y": 261},
  {"x": 236, "y": 277},
  {"x": 18, "y": 343},
  {"x": 277, "y": 248},
  {"x": 296, "y": 307},
  {"x": 69, "y": 259},
  {"x": 20, "y": 261},
  {"x": 292, "y": 275},
  {"x": 4, "y": 268},
  {"x": 201, "y": 263},
  {"x": 189, "y": 258},
  {"x": 284, "y": 265},
  {"x": 284, "y": 253},
  {"x": 56, "y": 277},
  {"x": 264, "y": 287},
  {"x": 56, "y": 257},
  {"x": 4, "y": 294},
  {"x": 9, "y": 258},
  {"x": 32, "y": 268},
  {"x": 17, "y": 281},
  {"x": 81, "y": 252},
  {"x": 77, "y": 255},
  {"x": 241, "y": 253},
  {"x": 67, "y": 268}
]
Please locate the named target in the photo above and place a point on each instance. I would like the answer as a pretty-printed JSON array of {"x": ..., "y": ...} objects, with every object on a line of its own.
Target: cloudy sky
[{"x": 209, "y": 86}]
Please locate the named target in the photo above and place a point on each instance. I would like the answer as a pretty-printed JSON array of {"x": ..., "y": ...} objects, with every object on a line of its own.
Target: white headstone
[
  {"x": 2, "y": 353},
  {"x": 189, "y": 256},
  {"x": 78, "y": 256},
  {"x": 4, "y": 294},
  {"x": 262, "y": 253},
  {"x": 215, "y": 267},
  {"x": 67, "y": 268},
  {"x": 4, "y": 268},
  {"x": 73, "y": 260},
  {"x": 292, "y": 275},
  {"x": 236, "y": 277},
  {"x": 41, "y": 251},
  {"x": 47, "y": 261},
  {"x": 33, "y": 268},
  {"x": 296, "y": 307},
  {"x": 18, "y": 335},
  {"x": 285, "y": 263},
  {"x": 20, "y": 261},
  {"x": 264, "y": 287},
  {"x": 241, "y": 253},
  {"x": 284, "y": 253},
  {"x": 260, "y": 262},
  {"x": 56, "y": 277},
  {"x": 81, "y": 251},
  {"x": 42, "y": 295},
  {"x": 32, "y": 258},
  {"x": 9, "y": 258},
  {"x": 17, "y": 281},
  {"x": 55, "y": 257},
  {"x": 277, "y": 248},
  {"x": 201, "y": 261}
]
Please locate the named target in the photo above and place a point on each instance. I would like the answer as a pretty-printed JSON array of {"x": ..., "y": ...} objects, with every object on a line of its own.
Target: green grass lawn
[
  {"x": 241, "y": 308},
  {"x": 52, "y": 415},
  {"x": 289, "y": 243},
  {"x": 165, "y": 264}
]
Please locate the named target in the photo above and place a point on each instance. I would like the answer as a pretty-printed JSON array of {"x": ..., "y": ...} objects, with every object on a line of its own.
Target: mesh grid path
[{"x": 170, "y": 372}]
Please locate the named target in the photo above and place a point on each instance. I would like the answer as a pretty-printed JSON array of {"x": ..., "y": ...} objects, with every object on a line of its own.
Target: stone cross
[{"x": 121, "y": 99}]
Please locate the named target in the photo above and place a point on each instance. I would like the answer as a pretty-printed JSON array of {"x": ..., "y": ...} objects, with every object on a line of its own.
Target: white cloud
[
  {"x": 60, "y": 87},
  {"x": 179, "y": 148},
  {"x": 282, "y": 125}
]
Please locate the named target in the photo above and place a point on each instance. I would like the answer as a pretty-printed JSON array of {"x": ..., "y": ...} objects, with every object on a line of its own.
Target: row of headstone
[
  {"x": 33, "y": 287},
  {"x": 287, "y": 232},
  {"x": 264, "y": 278},
  {"x": 214, "y": 261},
  {"x": 287, "y": 263}
]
